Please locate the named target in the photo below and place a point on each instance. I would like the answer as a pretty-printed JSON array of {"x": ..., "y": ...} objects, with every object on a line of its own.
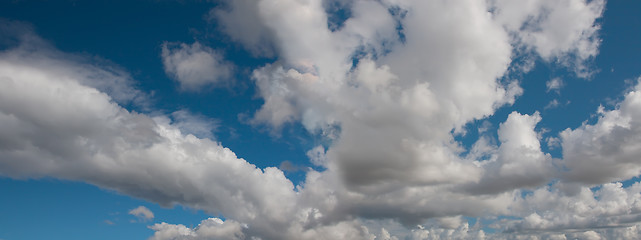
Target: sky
[{"x": 320, "y": 119}]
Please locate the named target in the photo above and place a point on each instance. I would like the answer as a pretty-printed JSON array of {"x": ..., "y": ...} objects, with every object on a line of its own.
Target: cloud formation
[
  {"x": 608, "y": 150},
  {"x": 212, "y": 228},
  {"x": 390, "y": 88},
  {"x": 143, "y": 213},
  {"x": 195, "y": 66}
]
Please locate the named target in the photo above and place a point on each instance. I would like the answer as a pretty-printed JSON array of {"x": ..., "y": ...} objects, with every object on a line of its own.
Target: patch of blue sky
[{"x": 57, "y": 209}]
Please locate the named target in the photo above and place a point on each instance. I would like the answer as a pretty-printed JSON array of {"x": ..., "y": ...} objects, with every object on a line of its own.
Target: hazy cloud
[
  {"x": 554, "y": 84},
  {"x": 390, "y": 103},
  {"x": 195, "y": 66},
  {"x": 143, "y": 213}
]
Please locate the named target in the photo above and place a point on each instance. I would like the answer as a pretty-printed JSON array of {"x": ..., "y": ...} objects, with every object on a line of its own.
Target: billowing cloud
[
  {"x": 609, "y": 149},
  {"x": 212, "y": 228},
  {"x": 55, "y": 124},
  {"x": 389, "y": 88},
  {"x": 142, "y": 212},
  {"x": 564, "y": 31},
  {"x": 609, "y": 211},
  {"x": 519, "y": 161},
  {"x": 195, "y": 66}
]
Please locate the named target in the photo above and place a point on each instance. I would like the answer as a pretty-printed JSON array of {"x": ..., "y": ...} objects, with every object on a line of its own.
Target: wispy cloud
[
  {"x": 142, "y": 213},
  {"x": 554, "y": 84}
]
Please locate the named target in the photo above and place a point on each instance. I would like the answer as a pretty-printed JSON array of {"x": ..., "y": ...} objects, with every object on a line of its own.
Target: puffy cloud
[
  {"x": 563, "y": 30},
  {"x": 55, "y": 124},
  {"x": 317, "y": 156},
  {"x": 390, "y": 89},
  {"x": 394, "y": 111},
  {"x": 609, "y": 149},
  {"x": 195, "y": 66},
  {"x": 391, "y": 99},
  {"x": 212, "y": 228},
  {"x": 607, "y": 210},
  {"x": 519, "y": 161},
  {"x": 142, "y": 212}
]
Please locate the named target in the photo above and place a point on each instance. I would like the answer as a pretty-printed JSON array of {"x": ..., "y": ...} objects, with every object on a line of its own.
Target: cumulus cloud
[
  {"x": 610, "y": 209},
  {"x": 55, "y": 124},
  {"x": 563, "y": 31},
  {"x": 609, "y": 149},
  {"x": 519, "y": 161},
  {"x": 143, "y": 213},
  {"x": 212, "y": 228},
  {"x": 195, "y": 66},
  {"x": 392, "y": 98},
  {"x": 390, "y": 89}
]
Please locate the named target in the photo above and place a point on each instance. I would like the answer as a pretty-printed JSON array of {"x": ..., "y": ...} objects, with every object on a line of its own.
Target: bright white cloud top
[{"x": 390, "y": 89}]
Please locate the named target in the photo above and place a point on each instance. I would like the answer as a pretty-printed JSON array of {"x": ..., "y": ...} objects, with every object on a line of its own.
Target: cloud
[
  {"x": 389, "y": 90},
  {"x": 607, "y": 150},
  {"x": 554, "y": 84},
  {"x": 552, "y": 104},
  {"x": 53, "y": 123},
  {"x": 212, "y": 228},
  {"x": 518, "y": 162},
  {"x": 195, "y": 66},
  {"x": 609, "y": 210},
  {"x": 143, "y": 213},
  {"x": 565, "y": 30},
  {"x": 241, "y": 20},
  {"x": 198, "y": 125}
]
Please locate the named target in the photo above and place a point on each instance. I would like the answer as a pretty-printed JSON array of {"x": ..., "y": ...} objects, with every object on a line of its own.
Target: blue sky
[{"x": 281, "y": 119}]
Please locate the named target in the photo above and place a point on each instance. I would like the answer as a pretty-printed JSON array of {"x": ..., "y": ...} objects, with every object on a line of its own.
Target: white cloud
[
  {"x": 142, "y": 213},
  {"x": 561, "y": 30},
  {"x": 391, "y": 101},
  {"x": 195, "y": 66},
  {"x": 607, "y": 150},
  {"x": 53, "y": 124},
  {"x": 317, "y": 156},
  {"x": 518, "y": 161},
  {"x": 212, "y": 228},
  {"x": 552, "y": 104},
  {"x": 609, "y": 210},
  {"x": 554, "y": 84},
  {"x": 242, "y": 21},
  {"x": 553, "y": 142},
  {"x": 394, "y": 155}
]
